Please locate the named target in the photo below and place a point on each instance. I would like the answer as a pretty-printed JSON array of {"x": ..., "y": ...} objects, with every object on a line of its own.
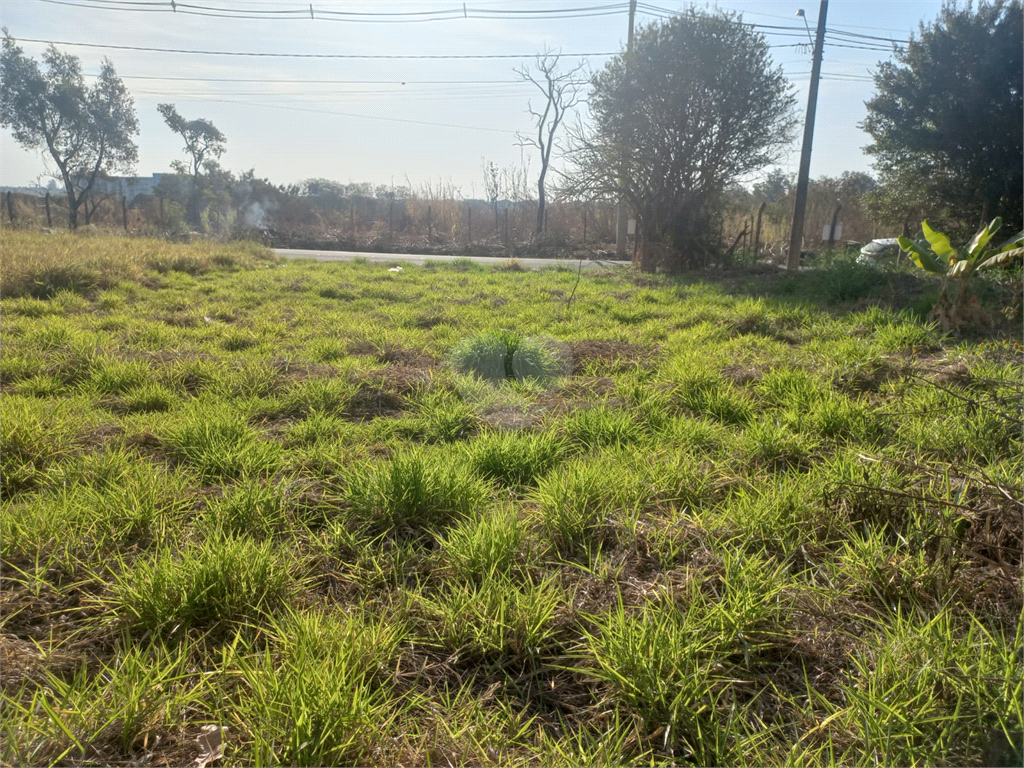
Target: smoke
[{"x": 255, "y": 214}]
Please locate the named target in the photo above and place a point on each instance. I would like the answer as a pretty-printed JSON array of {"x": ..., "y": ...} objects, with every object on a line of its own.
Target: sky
[{"x": 415, "y": 121}]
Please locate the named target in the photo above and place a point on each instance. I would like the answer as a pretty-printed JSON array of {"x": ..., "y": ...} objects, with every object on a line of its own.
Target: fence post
[
  {"x": 584, "y": 226},
  {"x": 469, "y": 223},
  {"x": 124, "y": 212},
  {"x": 757, "y": 230},
  {"x": 352, "y": 217},
  {"x": 391, "y": 219},
  {"x": 49, "y": 221},
  {"x": 430, "y": 224},
  {"x": 10, "y": 207},
  {"x": 507, "y": 241}
]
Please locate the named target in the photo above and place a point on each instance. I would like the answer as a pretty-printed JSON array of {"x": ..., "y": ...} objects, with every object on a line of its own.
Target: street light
[{"x": 803, "y": 16}]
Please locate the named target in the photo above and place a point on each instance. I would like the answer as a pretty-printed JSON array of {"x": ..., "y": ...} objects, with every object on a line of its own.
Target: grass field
[{"x": 769, "y": 521}]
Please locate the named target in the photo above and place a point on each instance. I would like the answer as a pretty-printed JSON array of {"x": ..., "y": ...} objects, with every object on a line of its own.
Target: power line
[
  {"x": 858, "y": 35},
  {"x": 351, "y": 114},
  {"x": 437, "y": 56},
  {"x": 153, "y": 49},
  {"x": 331, "y": 82},
  {"x": 309, "y": 12}
]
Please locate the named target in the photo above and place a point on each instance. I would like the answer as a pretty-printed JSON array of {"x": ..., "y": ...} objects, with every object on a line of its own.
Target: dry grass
[{"x": 40, "y": 265}]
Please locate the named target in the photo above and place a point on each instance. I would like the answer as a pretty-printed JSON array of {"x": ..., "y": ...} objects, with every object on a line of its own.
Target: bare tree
[
  {"x": 492, "y": 187},
  {"x": 561, "y": 94}
]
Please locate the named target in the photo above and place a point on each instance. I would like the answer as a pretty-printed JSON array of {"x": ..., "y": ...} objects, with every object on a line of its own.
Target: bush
[{"x": 503, "y": 355}]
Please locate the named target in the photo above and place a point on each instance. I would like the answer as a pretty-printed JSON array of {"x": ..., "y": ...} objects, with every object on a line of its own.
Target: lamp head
[{"x": 800, "y": 13}]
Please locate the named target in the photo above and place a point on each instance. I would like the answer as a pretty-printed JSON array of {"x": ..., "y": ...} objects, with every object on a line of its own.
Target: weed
[
  {"x": 206, "y": 586},
  {"x": 479, "y": 547},
  {"x": 495, "y": 618},
  {"x": 221, "y": 445},
  {"x": 515, "y": 458},
  {"x": 414, "y": 492},
  {"x": 317, "y": 695},
  {"x": 504, "y": 356},
  {"x": 738, "y": 530}
]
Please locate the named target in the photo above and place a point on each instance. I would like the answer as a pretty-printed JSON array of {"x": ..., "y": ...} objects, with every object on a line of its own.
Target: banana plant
[{"x": 936, "y": 254}]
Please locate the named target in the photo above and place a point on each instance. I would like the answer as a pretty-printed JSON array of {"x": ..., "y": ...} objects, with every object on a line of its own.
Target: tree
[
  {"x": 774, "y": 187},
  {"x": 88, "y": 131},
  {"x": 561, "y": 94},
  {"x": 946, "y": 121},
  {"x": 493, "y": 188},
  {"x": 203, "y": 142},
  {"x": 699, "y": 106}
]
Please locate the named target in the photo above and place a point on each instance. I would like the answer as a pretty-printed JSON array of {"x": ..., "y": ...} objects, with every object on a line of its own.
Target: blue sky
[{"x": 289, "y": 127}]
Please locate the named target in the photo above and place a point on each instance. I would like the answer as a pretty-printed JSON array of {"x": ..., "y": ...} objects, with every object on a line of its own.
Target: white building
[{"x": 127, "y": 186}]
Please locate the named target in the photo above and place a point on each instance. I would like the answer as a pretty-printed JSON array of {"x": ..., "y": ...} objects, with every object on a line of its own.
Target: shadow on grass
[{"x": 842, "y": 285}]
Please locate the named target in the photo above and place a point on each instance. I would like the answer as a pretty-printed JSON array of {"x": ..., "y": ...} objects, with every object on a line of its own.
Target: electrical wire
[
  {"x": 308, "y": 12},
  {"x": 461, "y": 56},
  {"x": 331, "y": 82},
  {"x": 351, "y": 114}
]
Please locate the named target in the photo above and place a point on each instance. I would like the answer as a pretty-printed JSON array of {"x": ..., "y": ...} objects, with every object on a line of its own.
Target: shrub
[{"x": 503, "y": 355}]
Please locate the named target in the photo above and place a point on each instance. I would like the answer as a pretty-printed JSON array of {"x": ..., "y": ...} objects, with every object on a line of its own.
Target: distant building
[
  {"x": 34, "y": 191},
  {"x": 127, "y": 186}
]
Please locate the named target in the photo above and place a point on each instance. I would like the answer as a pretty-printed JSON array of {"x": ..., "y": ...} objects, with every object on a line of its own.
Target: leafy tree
[
  {"x": 946, "y": 122},
  {"x": 88, "y": 131},
  {"x": 700, "y": 106},
  {"x": 774, "y": 187},
  {"x": 203, "y": 142}
]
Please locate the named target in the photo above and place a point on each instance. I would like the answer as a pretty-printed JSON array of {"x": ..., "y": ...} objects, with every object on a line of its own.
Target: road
[{"x": 417, "y": 258}]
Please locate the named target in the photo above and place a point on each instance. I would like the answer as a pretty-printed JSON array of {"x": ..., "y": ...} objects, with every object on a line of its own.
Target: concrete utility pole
[
  {"x": 796, "y": 239},
  {"x": 620, "y": 229}
]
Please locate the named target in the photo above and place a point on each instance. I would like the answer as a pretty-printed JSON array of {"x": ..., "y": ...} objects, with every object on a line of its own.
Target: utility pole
[
  {"x": 620, "y": 229},
  {"x": 796, "y": 239}
]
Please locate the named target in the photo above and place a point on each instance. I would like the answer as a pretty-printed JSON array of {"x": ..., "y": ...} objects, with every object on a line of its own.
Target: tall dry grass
[{"x": 40, "y": 265}]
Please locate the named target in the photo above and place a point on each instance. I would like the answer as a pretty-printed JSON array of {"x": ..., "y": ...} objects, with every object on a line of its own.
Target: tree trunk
[
  {"x": 195, "y": 216},
  {"x": 541, "y": 203},
  {"x": 650, "y": 250}
]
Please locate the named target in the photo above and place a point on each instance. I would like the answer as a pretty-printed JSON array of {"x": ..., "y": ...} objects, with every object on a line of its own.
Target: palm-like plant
[{"x": 936, "y": 254}]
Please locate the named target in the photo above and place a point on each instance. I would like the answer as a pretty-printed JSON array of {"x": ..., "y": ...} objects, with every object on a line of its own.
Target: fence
[{"x": 437, "y": 224}]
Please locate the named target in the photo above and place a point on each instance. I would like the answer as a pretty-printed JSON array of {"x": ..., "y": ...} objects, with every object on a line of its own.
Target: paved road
[{"x": 416, "y": 258}]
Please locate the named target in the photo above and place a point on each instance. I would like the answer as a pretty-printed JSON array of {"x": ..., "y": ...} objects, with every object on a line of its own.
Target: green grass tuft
[
  {"x": 207, "y": 586},
  {"x": 415, "y": 492}
]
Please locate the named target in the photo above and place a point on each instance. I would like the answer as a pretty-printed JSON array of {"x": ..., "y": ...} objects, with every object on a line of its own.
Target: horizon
[{"x": 413, "y": 122}]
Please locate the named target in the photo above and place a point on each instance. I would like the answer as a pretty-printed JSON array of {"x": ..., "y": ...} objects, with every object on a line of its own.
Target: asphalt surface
[{"x": 416, "y": 258}]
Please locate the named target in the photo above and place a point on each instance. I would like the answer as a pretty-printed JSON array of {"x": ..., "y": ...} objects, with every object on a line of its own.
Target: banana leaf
[
  {"x": 961, "y": 268},
  {"x": 981, "y": 238},
  {"x": 940, "y": 243},
  {"x": 1013, "y": 242},
  {"x": 925, "y": 259},
  {"x": 1002, "y": 258}
]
